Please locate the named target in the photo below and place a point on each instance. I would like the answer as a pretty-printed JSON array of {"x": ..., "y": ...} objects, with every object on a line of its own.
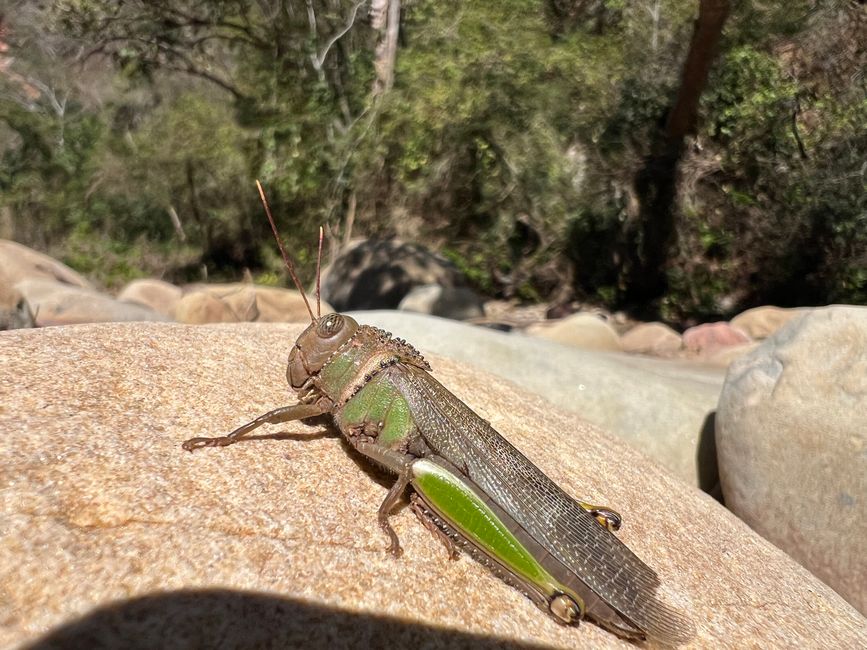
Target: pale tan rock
[
  {"x": 55, "y": 303},
  {"x": 160, "y": 296},
  {"x": 201, "y": 307},
  {"x": 19, "y": 263},
  {"x": 112, "y": 535},
  {"x": 761, "y": 322},
  {"x": 579, "y": 330},
  {"x": 657, "y": 339},
  {"x": 273, "y": 304},
  {"x": 278, "y": 305},
  {"x": 792, "y": 444}
]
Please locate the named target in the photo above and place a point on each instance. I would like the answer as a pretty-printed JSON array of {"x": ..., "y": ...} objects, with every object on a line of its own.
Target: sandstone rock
[
  {"x": 663, "y": 408},
  {"x": 19, "y": 263},
  {"x": 656, "y": 339},
  {"x": 54, "y": 303},
  {"x": 376, "y": 274},
  {"x": 115, "y": 537},
  {"x": 272, "y": 304},
  {"x": 792, "y": 444},
  {"x": 579, "y": 330},
  {"x": 761, "y": 322},
  {"x": 160, "y": 296},
  {"x": 201, "y": 307},
  {"x": 708, "y": 338},
  {"x": 457, "y": 303}
]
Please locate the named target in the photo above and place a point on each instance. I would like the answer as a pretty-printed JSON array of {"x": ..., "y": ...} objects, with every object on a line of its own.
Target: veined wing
[{"x": 556, "y": 520}]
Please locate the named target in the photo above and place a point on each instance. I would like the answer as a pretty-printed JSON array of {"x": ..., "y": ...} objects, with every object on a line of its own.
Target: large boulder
[
  {"x": 792, "y": 444},
  {"x": 274, "y": 543},
  {"x": 160, "y": 296},
  {"x": 54, "y": 303},
  {"x": 377, "y": 274},
  {"x": 19, "y": 263},
  {"x": 663, "y": 408}
]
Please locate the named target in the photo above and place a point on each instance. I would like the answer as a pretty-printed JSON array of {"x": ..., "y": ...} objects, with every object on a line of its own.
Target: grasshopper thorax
[{"x": 316, "y": 345}]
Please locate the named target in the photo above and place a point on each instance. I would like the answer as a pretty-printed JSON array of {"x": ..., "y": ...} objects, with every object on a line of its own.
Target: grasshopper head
[{"x": 315, "y": 346}]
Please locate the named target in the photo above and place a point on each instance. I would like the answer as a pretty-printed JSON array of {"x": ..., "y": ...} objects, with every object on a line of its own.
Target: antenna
[
  {"x": 318, "y": 269},
  {"x": 283, "y": 250}
]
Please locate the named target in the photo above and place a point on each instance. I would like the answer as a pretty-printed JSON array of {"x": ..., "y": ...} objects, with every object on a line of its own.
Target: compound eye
[{"x": 332, "y": 324}]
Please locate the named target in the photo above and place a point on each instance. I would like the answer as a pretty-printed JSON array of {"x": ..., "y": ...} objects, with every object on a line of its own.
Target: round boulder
[
  {"x": 709, "y": 338},
  {"x": 655, "y": 339},
  {"x": 792, "y": 444},
  {"x": 580, "y": 330},
  {"x": 205, "y": 306},
  {"x": 160, "y": 296},
  {"x": 377, "y": 274}
]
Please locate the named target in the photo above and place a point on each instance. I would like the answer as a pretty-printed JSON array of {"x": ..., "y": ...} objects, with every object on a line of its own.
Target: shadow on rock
[
  {"x": 706, "y": 459},
  {"x": 235, "y": 619}
]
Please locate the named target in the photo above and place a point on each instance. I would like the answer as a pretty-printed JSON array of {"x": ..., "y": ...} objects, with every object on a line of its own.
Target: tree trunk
[
  {"x": 651, "y": 238},
  {"x": 386, "y": 49}
]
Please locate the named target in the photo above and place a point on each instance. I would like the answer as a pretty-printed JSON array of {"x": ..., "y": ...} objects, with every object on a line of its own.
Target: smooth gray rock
[
  {"x": 456, "y": 303},
  {"x": 793, "y": 445},
  {"x": 663, "y": 408}
]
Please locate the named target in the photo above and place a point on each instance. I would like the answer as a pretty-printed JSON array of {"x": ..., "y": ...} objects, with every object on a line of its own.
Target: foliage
[{"x": 130, "y": 134}]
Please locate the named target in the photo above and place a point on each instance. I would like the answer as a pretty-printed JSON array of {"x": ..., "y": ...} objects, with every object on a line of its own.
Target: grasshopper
[{"x": 469, "y": 486}]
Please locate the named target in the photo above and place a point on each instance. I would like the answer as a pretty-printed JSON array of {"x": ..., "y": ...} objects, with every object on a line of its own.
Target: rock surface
[
  {"x": 245, "y": 302},
  {"x": 657, "y": 339},
  {"x": 377, "y": 274},
  {"x": 160, "y": 296},
  {"x": 761, "y": 322},
  {"x": 709, "y": 338},
  {"x": 793, "y": 445},
  {"x": 19, "y": 263},
  {"x": 579, "y": 330},
  {"x": 663, "y": 408},
  {"x": 112, "y": 535},
  {"x": 218, "y": 303},
  {"x": 457, "y": 303},
  {"x": 54, "y": 303}
]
